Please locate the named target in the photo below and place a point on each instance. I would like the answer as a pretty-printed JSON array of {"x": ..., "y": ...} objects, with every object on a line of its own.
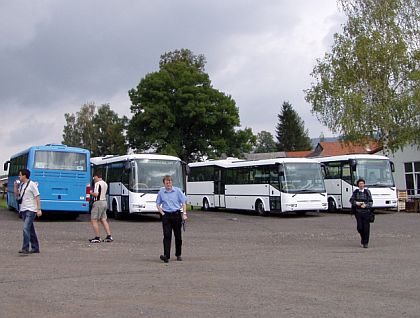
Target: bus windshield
[
  {"x": 376, "y": 172},
  {"x": 148, "y": 174},
  {"x": 58, "y": 160},
  {"x": 302, "y": 177}
]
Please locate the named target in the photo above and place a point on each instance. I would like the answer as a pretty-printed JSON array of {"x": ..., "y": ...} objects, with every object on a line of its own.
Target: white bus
[
  {"x": 134, "y": 180},
  {"x": 264, "y": 186},
  {"x": 342, "y": 172}
]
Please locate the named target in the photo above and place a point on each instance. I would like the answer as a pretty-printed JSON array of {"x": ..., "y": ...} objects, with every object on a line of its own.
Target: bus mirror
[
  {"x": 6, "y": 165},
  {"x": 280, "y": 169},
  {"x": 353, "y": 164},
  {"x": 392, "y": 166},
  {"x": 127, "y": 166},
  {"x": 185, "y": 167}
]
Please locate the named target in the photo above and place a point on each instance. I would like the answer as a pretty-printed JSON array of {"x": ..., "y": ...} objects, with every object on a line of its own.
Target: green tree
[
  {"x": 368, "y": 86},
  {"x": 102, "y": 132},
  {"x": 79, "y": 130},
  {"x": 177, "y": 111},
  {"x": 265, "y": 142},
  {"x": 290, "y": 130},
  {"x": 110, "y": 132}
]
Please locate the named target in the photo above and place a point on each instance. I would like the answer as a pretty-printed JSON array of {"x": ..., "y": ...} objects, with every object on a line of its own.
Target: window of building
[{"x": 412, "y": 177}]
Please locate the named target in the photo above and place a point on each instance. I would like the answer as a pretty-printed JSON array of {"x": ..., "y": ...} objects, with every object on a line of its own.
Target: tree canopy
[
  {"x": 290, "y": 130},
  {"x": 102, "y": 133},
  {"x": 265, "y": 142},
  {"x": 368, "y": 85},
  {"x": 176, "y": 111}
]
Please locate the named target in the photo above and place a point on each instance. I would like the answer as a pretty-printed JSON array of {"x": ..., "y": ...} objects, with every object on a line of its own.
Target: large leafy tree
[
  {"x": 110, "y": 130},
  {"x": 265, "y": 142},
  {"x": 177, "y": 111},
  {"x": 368, "y": 85},
  {"x": 290, "y": 131},
  {"x": 79, "y": 130},
  {"x": 101, "y": 132}
]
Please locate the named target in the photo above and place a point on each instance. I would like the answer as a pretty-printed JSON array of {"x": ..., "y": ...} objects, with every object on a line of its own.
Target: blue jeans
[{"x": 29, "y": 234}]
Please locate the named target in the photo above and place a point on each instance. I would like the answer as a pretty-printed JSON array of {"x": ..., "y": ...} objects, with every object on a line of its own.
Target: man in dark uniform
[{"x": 361, "y": 203}]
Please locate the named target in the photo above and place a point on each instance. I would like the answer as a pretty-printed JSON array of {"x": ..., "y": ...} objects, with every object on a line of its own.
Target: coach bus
[
  {"x": 62, "y": 173},
  {"x": 264, "y": 186},
  {"x": 134, "y": 180},
  {"x": 342, "y": 172}
]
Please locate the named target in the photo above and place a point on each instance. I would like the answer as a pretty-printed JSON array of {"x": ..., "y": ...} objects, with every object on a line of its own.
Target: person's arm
[
  {"x": 159, "y": 204},
  {"x": 95, "y": 191},
  {"x": 184, "y": 211},
  {"x": 15, "y": 189},
  {"x": 369, "y": 203},
  {"x": 352, "y": 200},
  {"x": 38, "y": 204}
]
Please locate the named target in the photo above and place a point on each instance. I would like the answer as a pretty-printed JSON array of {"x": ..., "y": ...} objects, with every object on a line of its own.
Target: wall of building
[{"x": 408, "y": 154}]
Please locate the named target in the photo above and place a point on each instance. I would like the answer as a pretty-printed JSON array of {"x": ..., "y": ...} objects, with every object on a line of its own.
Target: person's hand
[
  {"x": 39, "y": 213},
  {"x": 184, "y": 216},
  {"x": 363, "y": 205}
]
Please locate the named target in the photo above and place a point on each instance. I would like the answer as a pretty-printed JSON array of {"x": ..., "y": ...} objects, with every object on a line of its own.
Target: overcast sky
[{"x": 57, "y": 55}]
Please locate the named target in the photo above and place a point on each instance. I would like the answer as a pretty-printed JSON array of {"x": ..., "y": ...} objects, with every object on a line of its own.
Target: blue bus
[{"x": 63, "y": 175}]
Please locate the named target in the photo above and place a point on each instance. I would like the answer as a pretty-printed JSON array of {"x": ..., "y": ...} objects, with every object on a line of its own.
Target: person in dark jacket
[{"x": 361, "y": 203}]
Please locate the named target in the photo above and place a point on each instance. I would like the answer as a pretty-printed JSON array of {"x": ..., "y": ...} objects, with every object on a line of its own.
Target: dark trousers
[
  {"x": 172, "y": 222},
  {"x": 363, "y": 225}
]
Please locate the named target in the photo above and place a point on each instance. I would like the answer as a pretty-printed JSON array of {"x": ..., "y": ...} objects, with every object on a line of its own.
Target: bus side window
[
  {"x": 346, "y": 173},
  {"x": 125, "y": 178}
]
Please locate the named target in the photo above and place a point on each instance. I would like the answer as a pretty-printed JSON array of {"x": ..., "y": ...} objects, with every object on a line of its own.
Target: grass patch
[{"x": 3, "y": 203}]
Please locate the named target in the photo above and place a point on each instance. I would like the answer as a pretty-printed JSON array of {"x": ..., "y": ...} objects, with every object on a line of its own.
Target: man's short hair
[
  {"x": 98, "y": 174},
  {"x": 360, "y": 180},
  {"x": 25, "y": 172},
  {"x": 167, "y": 177}
]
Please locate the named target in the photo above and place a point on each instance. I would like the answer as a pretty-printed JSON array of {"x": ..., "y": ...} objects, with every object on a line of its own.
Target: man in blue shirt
[{"x": 171, "y": 203}]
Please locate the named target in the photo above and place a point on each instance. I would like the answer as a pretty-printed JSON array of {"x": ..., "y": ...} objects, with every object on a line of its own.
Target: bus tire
[
  {"x": 259, "y": 208},
  {"x": 117, "y": 215},
  {"x": 206, "y": 205},
  {"x": 332, "y": 207}
]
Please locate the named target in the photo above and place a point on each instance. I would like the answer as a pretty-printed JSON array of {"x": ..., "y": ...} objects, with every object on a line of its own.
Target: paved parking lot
[{"x": 235, "y": 265}]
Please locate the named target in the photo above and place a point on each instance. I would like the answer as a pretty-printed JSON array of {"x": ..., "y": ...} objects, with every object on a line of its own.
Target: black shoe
[
  {"x": 108, "y": 239},
  {"x": 95, "y": 240},
  {"x": 34, "y": 251},
  {"x": 179, "y": 258},
  {"x": 24, "y": 252},
  {"x": 365, "y": 246},
  {"x": 164, "y": 258}
]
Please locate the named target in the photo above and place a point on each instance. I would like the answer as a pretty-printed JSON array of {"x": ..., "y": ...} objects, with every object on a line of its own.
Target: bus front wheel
[
  {"x": 206, "y": 205},
  {"x": 331, "y": 205},
  {"x": 259, "y": 208}
]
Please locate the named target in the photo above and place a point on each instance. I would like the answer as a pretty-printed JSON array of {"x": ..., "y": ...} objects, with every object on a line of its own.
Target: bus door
[
  {"x": 219, "y": 187},
  {"x": 346, "y": 185}
]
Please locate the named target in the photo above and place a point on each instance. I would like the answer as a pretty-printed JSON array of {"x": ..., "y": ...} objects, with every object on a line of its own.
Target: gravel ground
[{"x": 235, "y": 265}]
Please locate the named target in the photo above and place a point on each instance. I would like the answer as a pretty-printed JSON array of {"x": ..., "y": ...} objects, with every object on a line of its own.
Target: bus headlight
[
  {"x": 292, "y": 205},
  {"x": 139, "y": 206}
]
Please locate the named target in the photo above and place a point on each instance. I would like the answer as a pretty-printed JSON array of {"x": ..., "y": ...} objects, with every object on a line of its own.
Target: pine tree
[{"x": 290, "y": 131}]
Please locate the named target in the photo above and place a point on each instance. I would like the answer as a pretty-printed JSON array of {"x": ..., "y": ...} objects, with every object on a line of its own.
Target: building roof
[
  {"x": 336, "y": 148},
  {"x": 298, "y": 154},
  {"x": 265, "y": 155}
]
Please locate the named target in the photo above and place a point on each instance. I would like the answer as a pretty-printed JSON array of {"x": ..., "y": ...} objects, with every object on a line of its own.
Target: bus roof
[
  {"x": 116, "y": 158},
  {"x": 52, "y": 147},
  {"x": 352, "y": 156},
  {"x": 228, "y": 163}
]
